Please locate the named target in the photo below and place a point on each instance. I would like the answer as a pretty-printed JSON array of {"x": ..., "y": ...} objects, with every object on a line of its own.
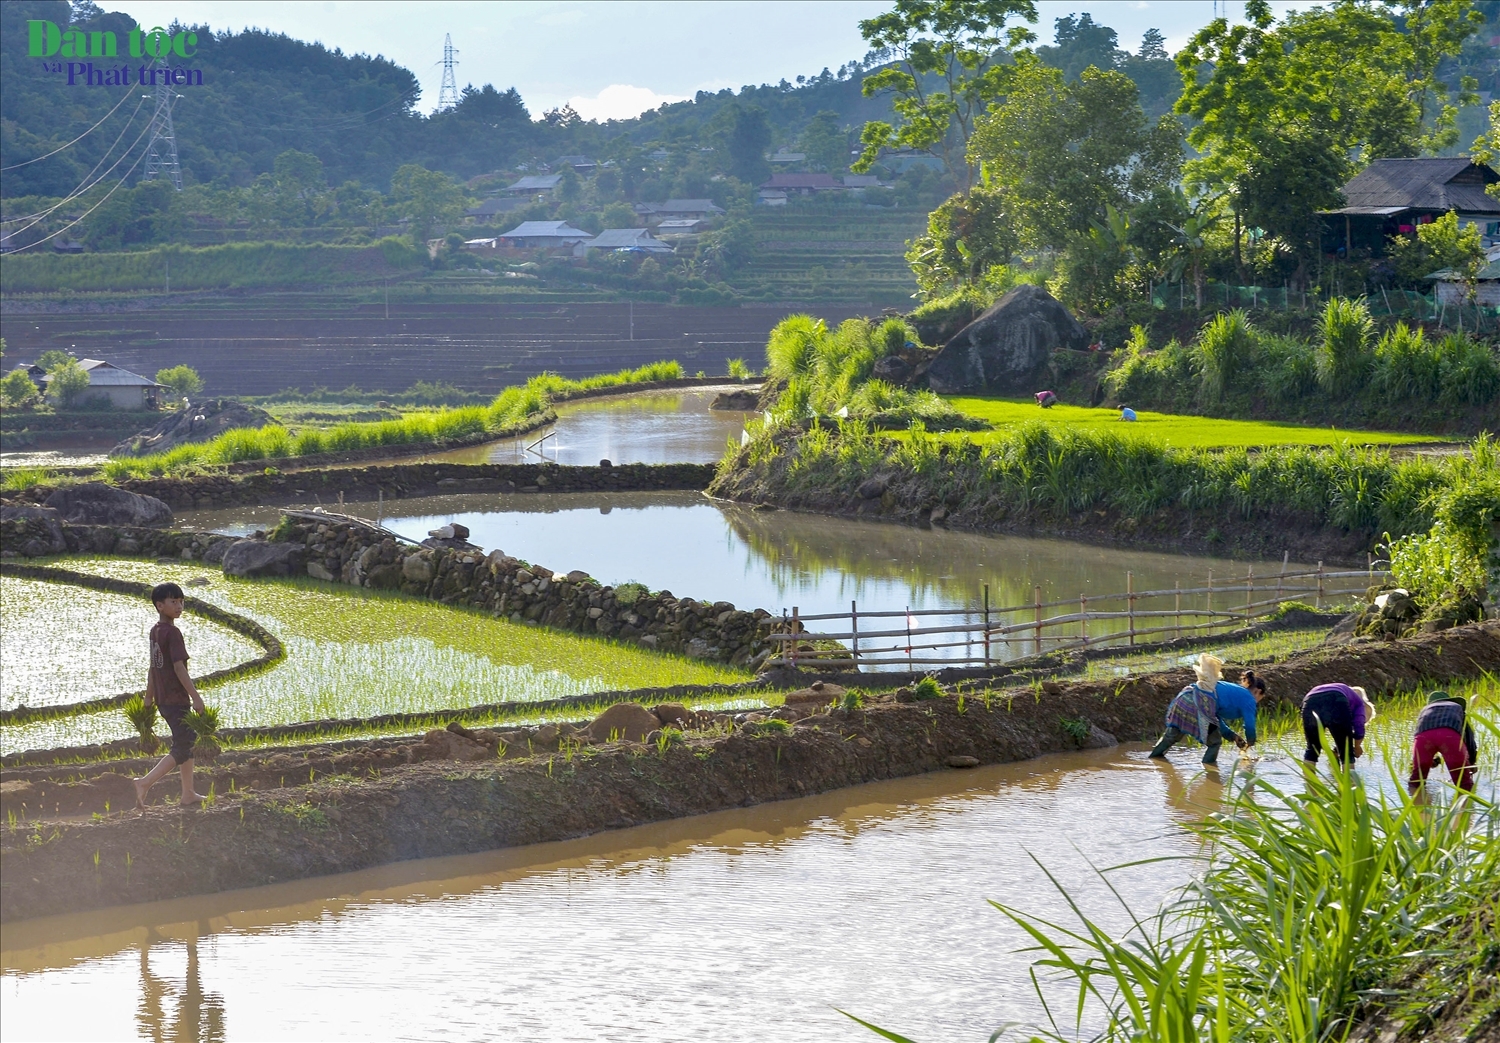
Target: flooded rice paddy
[
  {"x": 67, "y": 644},
  {"x": 349, "y": 654},
  {"x": 748, "y": 924},
  {"x": 719, "y": 551},
  {"x": 657, "y": 427}
]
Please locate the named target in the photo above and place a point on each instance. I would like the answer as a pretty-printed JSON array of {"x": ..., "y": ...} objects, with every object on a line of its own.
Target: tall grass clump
[
  {"x": 1225, "y": 350},
  {"x": 511, "y": 408},
  {"x": 828, "y": 373},
  {"x": 1314, "y": 907},
  {"x": 1343, "y": 354}
]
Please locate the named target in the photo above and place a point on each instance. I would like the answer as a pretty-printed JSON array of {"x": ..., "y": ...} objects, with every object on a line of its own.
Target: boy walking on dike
[{"x": 169, "y": 687}]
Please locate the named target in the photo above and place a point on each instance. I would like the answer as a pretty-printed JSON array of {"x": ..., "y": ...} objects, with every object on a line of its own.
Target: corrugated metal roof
[
  {"x": 545, "y": 230},
  {"x": 1489, "y": 273},
  {"x": 535, "y": 182},
  {"x": 1444, "y": 184},
  {"x": 103, "y": 373},
  {"x": 623, "y": 238}
]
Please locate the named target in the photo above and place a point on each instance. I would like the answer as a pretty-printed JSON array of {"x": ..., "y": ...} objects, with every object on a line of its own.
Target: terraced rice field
[
  {"x": 63, "y": 644},
  {"x": 349, "y": 654},
  {"x": 853, "y": 255}
]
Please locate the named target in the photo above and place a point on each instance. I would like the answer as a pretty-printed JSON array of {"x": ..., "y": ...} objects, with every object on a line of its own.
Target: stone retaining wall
[{"x": 346, "y": 550}]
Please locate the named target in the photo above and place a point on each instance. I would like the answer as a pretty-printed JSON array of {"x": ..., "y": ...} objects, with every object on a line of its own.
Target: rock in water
[
  {"x": 94, "y": 503},
  {"x": 263, "y": 558},
  {"x": 196, "y": 423},
  {"x": 623, "y": 721},
  {"x": 744, "y": 399},
  {"x": 1007, "y": 347}
]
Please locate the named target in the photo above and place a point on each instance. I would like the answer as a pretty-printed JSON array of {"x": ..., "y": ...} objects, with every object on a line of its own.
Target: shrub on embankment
[
  {"x": 1348, "y": 370},
  {"x": 514, "y": 409},
  {"x": 1038, "y": 475},
  {"x": 232, "y": 266}
]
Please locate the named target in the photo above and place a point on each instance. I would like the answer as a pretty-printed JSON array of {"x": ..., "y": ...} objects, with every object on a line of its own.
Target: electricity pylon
[
  {"x": 448, "y": 93},
  {"x": 161, "y": 154}
]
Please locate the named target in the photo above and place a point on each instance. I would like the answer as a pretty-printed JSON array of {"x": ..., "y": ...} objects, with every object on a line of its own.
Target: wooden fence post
[
  {"x": 1249, "y": 590},
  {"x": 854, "y": 629},
  {"x": 1177, "y": 608},
  {"x": 1130, "y": 602},
  {"x": 1210, "y": 599},
  {"x": 986, "y": 624},
  {"x": 1320, "y": 586},
  {"x": 1281, "y": 579},
  {"x": 1083, "y": 624},
  {"x": 1037, "y": 599},
  {"x": 795, "y": 632}
]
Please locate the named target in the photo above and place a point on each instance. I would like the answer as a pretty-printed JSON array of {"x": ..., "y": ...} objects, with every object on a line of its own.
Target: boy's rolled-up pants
[{"x": 1173, "y": 735}]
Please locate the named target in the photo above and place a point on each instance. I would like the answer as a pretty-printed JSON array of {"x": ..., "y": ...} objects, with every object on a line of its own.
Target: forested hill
[{"x": 265, "y": 93}]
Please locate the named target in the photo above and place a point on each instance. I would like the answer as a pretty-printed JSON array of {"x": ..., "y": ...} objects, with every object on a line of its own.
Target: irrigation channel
[{"x": 754, "y": 923}]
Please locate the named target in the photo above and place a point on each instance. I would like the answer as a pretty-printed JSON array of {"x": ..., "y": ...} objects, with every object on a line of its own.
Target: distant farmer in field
[
  {"x": 1195, "y": 711},
  {"x": 1046, "y": 399},
  {"x": 1343, "y": 710},
  {"x": 169, "y": 687},
  {"x": 1443, "y": 731},
  {"x": 1126, "y": 413}
]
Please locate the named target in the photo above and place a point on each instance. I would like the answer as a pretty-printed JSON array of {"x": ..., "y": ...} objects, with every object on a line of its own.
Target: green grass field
[{"x": 1187, "y": 432}]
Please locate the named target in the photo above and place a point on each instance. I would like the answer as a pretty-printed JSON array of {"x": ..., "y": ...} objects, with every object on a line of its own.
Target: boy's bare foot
[
  {"x": 194, "y": 801},
  {"x": 140, "y": 794}
]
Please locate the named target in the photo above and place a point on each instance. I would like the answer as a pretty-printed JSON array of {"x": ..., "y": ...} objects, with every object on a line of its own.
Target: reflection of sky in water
[
  {"x": 695, "y": 547},
  {"x": 661, "y": 427}
]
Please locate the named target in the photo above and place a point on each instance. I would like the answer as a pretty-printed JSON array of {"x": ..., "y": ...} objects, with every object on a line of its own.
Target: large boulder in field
[
  {"x": 630, "y": 721},
  {"x": 253, "y": 558},
  {"x": 94, "y": 503},
  {"x": 1007, "y": 348},
  {"x": 196, "y": 423},
  {"x": 34, "y": 531}
]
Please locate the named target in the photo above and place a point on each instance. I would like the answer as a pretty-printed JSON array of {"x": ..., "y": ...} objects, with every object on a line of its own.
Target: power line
[
  {"x": 76, "y": 193},
  {"x": 448, "y": 93},
  {"x": 38, "y": 159}
]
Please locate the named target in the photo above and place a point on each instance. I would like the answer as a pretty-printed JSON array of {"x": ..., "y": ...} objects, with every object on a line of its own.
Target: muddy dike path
[{"x": 293, "y": 812}]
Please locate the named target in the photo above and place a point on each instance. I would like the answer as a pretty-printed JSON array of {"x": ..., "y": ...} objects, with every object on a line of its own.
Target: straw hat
[
  {"x": 1369, "y": 706},
  {"x": 1209, "y": 669}
]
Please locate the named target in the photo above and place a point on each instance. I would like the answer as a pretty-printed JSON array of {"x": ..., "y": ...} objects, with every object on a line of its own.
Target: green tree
[
  {"x": 17, "y": 388},
  {"x": 966, "y": 236},
  {"x": 949, "y": 66},
  {"x": 825, "y": 143},
  {"x": 619, "y": 215},
  {"x": 1305, "y": 101},
  {"x": 749, "y": 137},
  {"x": 183, "y": 380},
  {"x": 569, "y": 188},
  {"x": 426, "y": 198},
  {"x": 1059, "y": 153},
  {"x": 1081, "y": 42},
  {"x": 66, "y": 382},
  {"x": 729, "y": 249},
  {"x": 1438, "y": 245},
  {"x": 51, "y": 359}
]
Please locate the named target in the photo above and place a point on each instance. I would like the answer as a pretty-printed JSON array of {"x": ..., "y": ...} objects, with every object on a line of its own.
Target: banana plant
[{"x": 1191, "y": 239}]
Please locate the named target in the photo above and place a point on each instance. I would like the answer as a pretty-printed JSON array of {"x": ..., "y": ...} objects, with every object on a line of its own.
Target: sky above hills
[{"x": 616, "y": 59}]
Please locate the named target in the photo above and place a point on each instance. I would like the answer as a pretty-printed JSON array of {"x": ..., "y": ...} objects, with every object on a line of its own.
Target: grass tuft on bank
[{"x": 513, "y": 408}]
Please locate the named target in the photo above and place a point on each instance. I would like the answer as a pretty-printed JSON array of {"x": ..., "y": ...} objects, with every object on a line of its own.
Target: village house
[
  {"x": 534, "y": 184},
  {"x": 679, "y": 210},
  {"x": 637, "y": 240},
  {"x": 120, "y": 387},
  {"x": 799, "y": 185},
  {"x": 582, "y": 164},
  {"x": 682, "y": 226},
  {"x": 530, "y": 235},
  {"x": 493, "y": 207},
  {"x": 1393, "y": 197}
]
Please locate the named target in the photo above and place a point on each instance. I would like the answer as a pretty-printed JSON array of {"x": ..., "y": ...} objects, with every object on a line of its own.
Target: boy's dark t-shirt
[{"x": 167, "y": 647}]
